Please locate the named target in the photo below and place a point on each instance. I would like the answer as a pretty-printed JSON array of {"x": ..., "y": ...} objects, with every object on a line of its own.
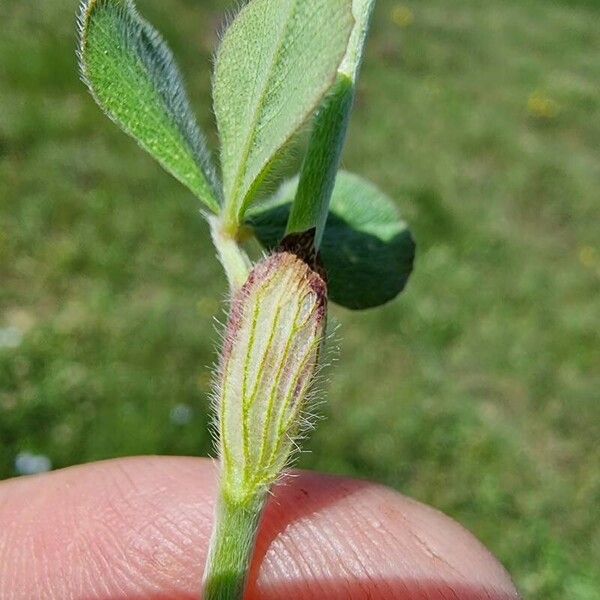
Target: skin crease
[{"x": 138, "y": 528}]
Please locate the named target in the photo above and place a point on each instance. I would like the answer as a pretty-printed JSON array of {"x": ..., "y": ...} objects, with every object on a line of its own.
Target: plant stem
[
  {"x": 233, "y": 258},
  {"x": 231, "y": 548},
  {"x": 317, "y": 175}
]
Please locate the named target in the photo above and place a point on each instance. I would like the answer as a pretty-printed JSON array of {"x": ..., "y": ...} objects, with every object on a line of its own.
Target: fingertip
[
  {"x": 139, "y": 528},
  {"x": 329, "y": 537},
  {"x": 119, "y": 529}
]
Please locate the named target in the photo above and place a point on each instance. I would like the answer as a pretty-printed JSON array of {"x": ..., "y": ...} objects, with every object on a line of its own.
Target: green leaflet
[
  {"x": 133, "y": 77},
  {"x": 276, "y": 61},
  {"x": 367, "y": 249}
]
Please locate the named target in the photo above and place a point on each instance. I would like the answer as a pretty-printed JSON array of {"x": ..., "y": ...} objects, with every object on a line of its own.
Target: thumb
[{"x": 139, "y": 528}]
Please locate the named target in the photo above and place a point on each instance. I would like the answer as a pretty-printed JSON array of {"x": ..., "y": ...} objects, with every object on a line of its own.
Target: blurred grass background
[{"x": 476, "y": 391}]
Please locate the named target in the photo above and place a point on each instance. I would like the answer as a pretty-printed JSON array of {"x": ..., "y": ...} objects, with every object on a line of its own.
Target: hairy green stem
[
  {"x": 233, "y": 258},
  {"x": 319, "y": 169},
  {"x": 231, "y": 548},
  {"x": 317, "y": 176}
]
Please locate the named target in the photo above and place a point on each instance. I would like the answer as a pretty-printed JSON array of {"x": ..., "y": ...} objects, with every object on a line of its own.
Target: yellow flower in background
[
  {"x": 541, "y": 106},
  {"x": 588, "y": 256},
  {"x": 402, "y": 15}
]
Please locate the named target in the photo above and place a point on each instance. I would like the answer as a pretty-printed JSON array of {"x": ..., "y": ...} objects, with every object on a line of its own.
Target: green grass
[{"x": 476, "y": 391}]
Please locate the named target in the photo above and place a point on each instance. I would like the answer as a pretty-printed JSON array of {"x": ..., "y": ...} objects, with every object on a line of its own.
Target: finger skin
[{"x": 138, "y": 529}]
